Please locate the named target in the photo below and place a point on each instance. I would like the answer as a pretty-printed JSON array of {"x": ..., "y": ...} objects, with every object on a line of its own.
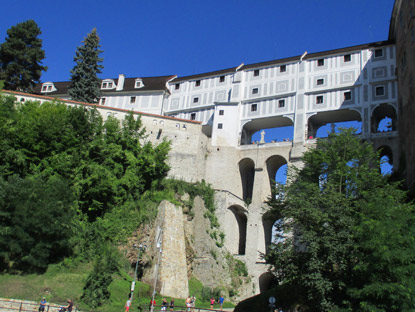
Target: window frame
[
  {"x": 255, "y": 90},
  {"x": 379, "y": 88},
  {"x": 347, "y": 58},
  {"x": 376, "y": 52},
  {"x": 347, "y": 95}
]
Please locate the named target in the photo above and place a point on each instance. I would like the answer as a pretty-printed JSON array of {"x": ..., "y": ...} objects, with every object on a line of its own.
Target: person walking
[
  {"x": 128, "y": 304},
  {"x": 212, "y": 302},
  {"x": 220, "y": 301}
]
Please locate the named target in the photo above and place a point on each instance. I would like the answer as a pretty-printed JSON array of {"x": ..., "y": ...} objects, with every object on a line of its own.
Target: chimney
[{"x": 120, "y": 84}]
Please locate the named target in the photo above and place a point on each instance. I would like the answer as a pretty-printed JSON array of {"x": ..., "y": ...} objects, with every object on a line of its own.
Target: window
[
  {"x": 220, "y": 126},
  {"x": 221, "y": 112},
  {"x": 109, "y": 85},
  {"x": 281, "y": 103},
  {"x": 177, "y": 86},
  {"x": 222, "y": 79},
  {"x": 347, "y": 95},
  {"x": 193, "y": 116},
  {"x": 44, "y": 88},
  {"x": 320, "y": 82},
  {"x": 197, "y": 83},
  {"x": 320, "y": 62},
  {"x": 103, "y": 101},
  {"x": 104, "y": 85},
  {"x": 49, "y": 88},
  {"x": 132, "y": 100},
  {"x": 347, "y": 58},
  {"x": 255, "y": 91},
  {"x": 319, "y": 99},
  {"x": 256, "y": 72},
  {"x": 378, "y": 52},
  {"x": 139, "y": 83},
  {"x": 254, "y": 107},
  {"x": 195, "y": 100},
  {"x": 380, "y": 90},
  {"x": 283, "y": 68}
]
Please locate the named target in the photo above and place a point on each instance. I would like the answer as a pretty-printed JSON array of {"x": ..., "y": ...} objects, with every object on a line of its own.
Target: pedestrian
[
  {"x": 172, "y": 304},
  {"x": 212, "y": 302},
  {"x": 42, "y": 305},
  {"x": 220, "y": 301},
  {"x": 152, "y": 304},
  {"x": 128, "y": 304},
  {"x": 164, "y": 304},
  {"x": 188, "y": 304},
  {"x": 193, "y": 302}
]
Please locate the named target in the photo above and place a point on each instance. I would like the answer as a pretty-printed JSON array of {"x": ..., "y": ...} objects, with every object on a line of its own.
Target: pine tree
[
  {"x": 21, "y": 56},
  {"x": 85, "y": 85}
]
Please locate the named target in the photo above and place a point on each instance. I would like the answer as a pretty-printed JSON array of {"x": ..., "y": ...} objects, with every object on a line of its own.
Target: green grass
[{"x": 59, "y": 283}]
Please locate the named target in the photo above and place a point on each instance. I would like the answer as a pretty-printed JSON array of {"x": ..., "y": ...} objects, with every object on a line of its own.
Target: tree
[
  {"x": 36, "y": 222},
  {"x": 86, "y": 85},
  {"x": 21, "y": 56},
  {"x": 347, "y": 237}
]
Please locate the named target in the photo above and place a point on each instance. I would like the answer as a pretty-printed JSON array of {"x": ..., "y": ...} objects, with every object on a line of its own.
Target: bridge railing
[
  {"x": 157, "y": 308},
  {"x": 12, "y": 305}
]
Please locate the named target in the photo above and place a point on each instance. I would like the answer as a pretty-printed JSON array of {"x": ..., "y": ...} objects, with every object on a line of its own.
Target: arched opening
[
  {"x": 240, "y": 235},
  {"x": 321, "y": 124},
  {"x": 276, "y": 129},
  {"x": 277, "y": 169},
  {"x": 265, "y": 281},
  {"x": 383, "y": 119},
  {"x": 247, "y": 171},
  {"x": 386, "y": 160}
]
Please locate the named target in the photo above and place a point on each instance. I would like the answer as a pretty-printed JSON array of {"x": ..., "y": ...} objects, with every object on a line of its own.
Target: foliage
[
  {"x": 346, "y": 240},
  {"x": 96, "y": 291},
  {"x": 86, "y": 86},
  {"x": 107, "y": 170},
  {"x": 36, "y": 222},
  {"x": 21, "y": 56},
  {"x": 208, "y": 293}
]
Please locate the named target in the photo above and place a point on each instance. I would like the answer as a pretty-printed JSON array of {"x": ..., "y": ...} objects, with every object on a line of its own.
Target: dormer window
[
  {"x": 108, "y": 84},
  {"x": 138, "y": 83},
  {"x": 48, "y": 87}
]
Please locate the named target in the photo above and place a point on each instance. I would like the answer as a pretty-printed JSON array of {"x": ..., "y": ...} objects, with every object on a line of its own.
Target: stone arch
[
  {"x": 238, "y": 243},
  {"x": 247, "y": 171},
  {"x": 268, "y": 221},
  {"x": 274, "y": 163},
  {"x": 321, "y": 119},
  {"x": 381, "y": 112},
  {"x": 255, "y": 125},
  {"x": 387, "y": 151},
  {"x": 265, "y": 281}
]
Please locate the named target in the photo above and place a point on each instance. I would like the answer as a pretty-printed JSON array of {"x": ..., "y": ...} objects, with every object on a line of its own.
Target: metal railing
[
  {"x": 157, "y": 308},
  {"x": 30, "y": 306}
]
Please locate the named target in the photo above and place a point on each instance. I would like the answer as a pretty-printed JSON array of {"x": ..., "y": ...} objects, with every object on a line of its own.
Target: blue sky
[{"x": 185, "y": 37}]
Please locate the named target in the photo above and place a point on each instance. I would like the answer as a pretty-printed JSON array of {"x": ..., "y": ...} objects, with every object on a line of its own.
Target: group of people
[
  {"x": 164, "y": 304},
  {"x": 220, "y": 301},
  {"x": 190, "y": 304},
  {"x": 67, "y": 308}
]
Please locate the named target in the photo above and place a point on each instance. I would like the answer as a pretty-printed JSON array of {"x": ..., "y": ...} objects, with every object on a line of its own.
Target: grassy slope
[{"x": 60, "y": 283}]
